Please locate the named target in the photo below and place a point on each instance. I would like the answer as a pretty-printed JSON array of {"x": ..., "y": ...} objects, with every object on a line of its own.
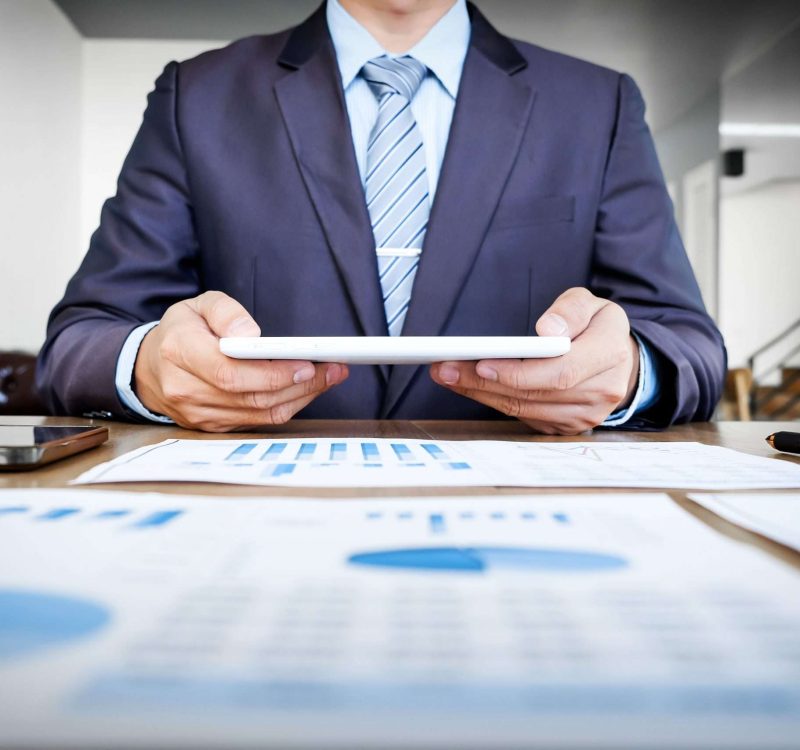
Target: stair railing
[{"x": 756, "y": 403}]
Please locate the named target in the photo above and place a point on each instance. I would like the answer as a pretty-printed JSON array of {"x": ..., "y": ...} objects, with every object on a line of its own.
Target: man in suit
[{"x": 387, "y": 167}]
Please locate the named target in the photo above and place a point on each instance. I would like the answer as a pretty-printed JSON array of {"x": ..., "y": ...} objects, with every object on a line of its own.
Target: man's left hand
[{"x": 564, "y": 395}]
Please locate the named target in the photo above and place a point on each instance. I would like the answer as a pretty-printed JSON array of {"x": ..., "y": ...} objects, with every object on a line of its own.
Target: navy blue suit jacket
[{"x": 243, "y": 179}]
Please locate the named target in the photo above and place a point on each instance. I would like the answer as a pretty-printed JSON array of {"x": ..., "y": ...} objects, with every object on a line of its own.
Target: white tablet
[{"x": 395, "y": 350}]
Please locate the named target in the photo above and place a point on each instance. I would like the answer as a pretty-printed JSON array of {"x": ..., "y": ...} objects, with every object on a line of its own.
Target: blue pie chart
[
  {"x": 483, "y": 559},
  {"x": 31, "y": 621}
]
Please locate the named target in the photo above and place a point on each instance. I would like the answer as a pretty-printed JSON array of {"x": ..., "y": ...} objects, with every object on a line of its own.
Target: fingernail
[
  {"x": 244, "y": 327},
  {"x": 449, "y": 374},
  {"x": 304, "y": 374},
  {"x": 553, "y": 325},
  {"x": 486, "y": 372},
  {"x": 332, "y": 375}
]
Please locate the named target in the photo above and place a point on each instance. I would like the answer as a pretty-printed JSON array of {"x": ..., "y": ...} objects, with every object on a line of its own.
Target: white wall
[
  {"x": 117, "y": 76},
  {"x": 40, "y": 81},
  {"x": 759, "y": 266}
]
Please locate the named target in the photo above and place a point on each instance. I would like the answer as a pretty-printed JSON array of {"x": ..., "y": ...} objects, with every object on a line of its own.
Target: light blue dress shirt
[{"x": 442, "y": 50}]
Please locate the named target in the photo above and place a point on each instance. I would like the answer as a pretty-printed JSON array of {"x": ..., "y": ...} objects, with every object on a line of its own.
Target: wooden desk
[{"x": 743, "y": 436}]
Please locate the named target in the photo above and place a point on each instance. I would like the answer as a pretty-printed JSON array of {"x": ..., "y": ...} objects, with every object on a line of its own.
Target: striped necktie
[{"x": 396, "y": 185}]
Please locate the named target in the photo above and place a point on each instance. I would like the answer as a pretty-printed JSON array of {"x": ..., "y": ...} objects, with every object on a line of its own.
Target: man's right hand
[{"x": 181, "y": 373}]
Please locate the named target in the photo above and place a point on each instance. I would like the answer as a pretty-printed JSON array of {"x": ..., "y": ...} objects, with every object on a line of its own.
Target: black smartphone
[{"x": 24, "y": 446}]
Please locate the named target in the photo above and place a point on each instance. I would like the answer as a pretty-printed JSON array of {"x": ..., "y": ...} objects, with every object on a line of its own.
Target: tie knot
[{"x": 394, "y": 75}]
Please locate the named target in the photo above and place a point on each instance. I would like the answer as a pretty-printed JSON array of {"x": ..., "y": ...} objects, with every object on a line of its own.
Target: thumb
[
  {"x": 570, "y": 314},
  {"x": 224, "y": 315}
]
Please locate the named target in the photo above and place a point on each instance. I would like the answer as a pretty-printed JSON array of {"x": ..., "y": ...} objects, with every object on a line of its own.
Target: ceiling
[
  {"x": 676, "y": 49},
  {"x": 766, "y": 93}
]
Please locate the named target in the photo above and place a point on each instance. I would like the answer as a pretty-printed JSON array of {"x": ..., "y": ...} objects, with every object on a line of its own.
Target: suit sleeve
[
  {"x": 641, "y": 264},
  {"x": 141, "y": 260}
]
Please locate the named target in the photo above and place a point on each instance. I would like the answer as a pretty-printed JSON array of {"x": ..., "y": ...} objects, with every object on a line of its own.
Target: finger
[
  {"x": 206, "y": 362},
  {"x": 185, "y": 388},
  {"x": 606, "y": 386},
  {"x": 198, "y": 353},
  {"x": 187, "y": 341},
  {"x": 215, "y": 419},
  {"x": 224, "y": 315},
  {"x": 532, "y": 376},
  {"x": 326, "y": 377},
  {"x": 570, "y": 314},
  {"x": 603, "y": 346},
  {"x": 566, "y": 419}
]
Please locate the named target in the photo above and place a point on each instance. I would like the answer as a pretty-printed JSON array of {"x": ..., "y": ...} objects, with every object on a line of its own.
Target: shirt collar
[{"x": 442, "y": 49}]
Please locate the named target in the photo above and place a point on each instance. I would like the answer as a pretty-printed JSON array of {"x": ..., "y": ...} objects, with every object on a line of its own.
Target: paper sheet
[
  {"x": 774, "y": 515},
  {"x": 587, "y": 620},
  {"x": 323, "y": 462}
]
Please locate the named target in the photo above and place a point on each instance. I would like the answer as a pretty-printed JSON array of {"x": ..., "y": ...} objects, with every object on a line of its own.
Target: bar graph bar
[
  {"x": 437, "y": 523},
  {"x": 561, "y": 517},
  {"x": 370, "y": 451},
  {"x": 278, "y": 470},
  {"x": 13, "y": 509},
  {"x": 458, "y": 465},
  {"x": 338, "y": 452},
  {"x": 434, "y": 451},
  {"x": 58, "y": 513},
  {"x": 159, "y": 518},
  {"x": 305, "y": 452},
  {"x": 106, "y": 515},
  {"x": 403, "y": 452},
  {"x": 243, "y": 450},
  {"x": 273, "y": 451}
]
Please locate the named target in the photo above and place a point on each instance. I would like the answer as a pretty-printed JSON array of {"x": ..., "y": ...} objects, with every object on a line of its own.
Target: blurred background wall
[{"x": 718, "y": 76}]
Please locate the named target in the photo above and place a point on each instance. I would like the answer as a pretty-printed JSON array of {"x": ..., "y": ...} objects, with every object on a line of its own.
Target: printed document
[
  {"x": 774, "y": 515},
  {"x": 366, "y": 462},
  {"x": 615, "y": 620}
]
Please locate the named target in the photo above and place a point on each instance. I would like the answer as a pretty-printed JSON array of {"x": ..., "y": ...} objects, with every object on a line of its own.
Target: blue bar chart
[
  {"x": 126, "y": 518},
  {"x": 438, "y": 522},
  {"x": 320, "y": 462}
]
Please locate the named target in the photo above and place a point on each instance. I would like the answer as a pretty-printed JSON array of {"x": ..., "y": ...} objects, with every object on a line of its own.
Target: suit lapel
[
  {"x": 312, "y": 104},
  {"x": 491, "y": 115}
]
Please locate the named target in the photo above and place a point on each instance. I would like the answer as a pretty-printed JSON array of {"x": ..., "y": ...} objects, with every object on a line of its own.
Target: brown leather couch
[{"x": 17, "y": 387}]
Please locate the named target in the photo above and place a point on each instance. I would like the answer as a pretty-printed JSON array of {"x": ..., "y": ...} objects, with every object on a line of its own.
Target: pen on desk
[{"x": 788, "y": 442}]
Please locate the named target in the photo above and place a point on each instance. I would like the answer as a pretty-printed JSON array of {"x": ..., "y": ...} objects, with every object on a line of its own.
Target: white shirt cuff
[
  {"x": 646, "y": 391},
  {"x": 124, "y": 374}
]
